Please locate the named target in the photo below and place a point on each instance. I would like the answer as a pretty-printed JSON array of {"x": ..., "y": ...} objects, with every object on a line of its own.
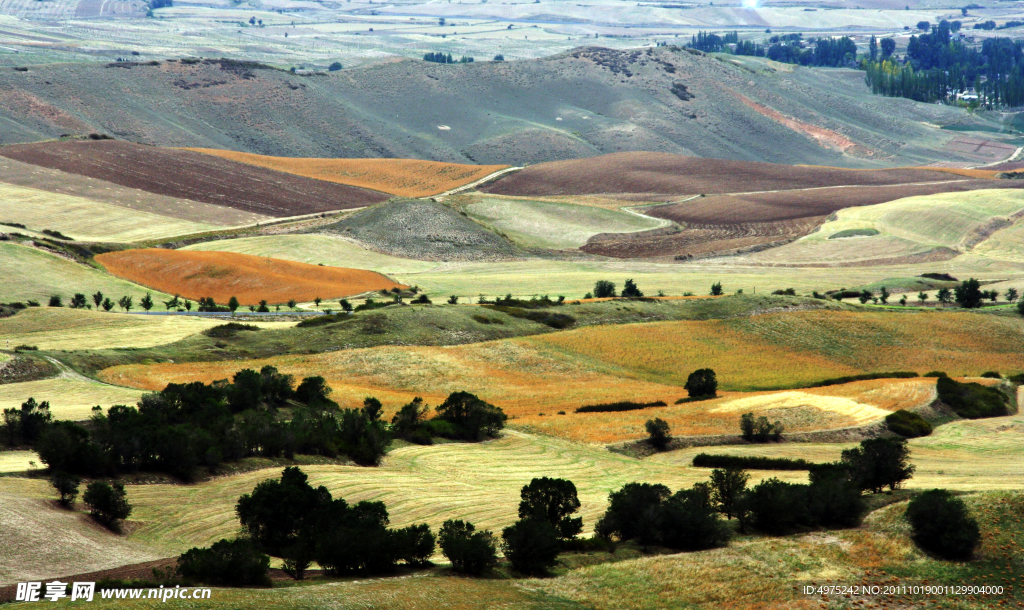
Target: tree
[
  {"x": 716, "y": 289},
  {"x": 879, "y": 462},
  {"x": 1020, "y": 308},
  {"x": 688, "y": 521},
  {"x": 968, "y": 294},
  {"x": 317, "y": 301},
  {"x": 604, "y": 289},
  {"x": 531, "y": 546},
  {"x": 188, "y": 305},
  {"x": 97, "y": 298},
  {"x": 888, "y": 47},
  {"x": 278, "y": 510},
  {"x": 633, "y": 513},
  {"x": 107, "y": 304},
  {"x": 345, "y": 305},
  {"x": 146, "y": 302},
  {"x": 234, "y": 563},
  {"x": 334, "y": 67},
  {"x": 922, "y": 297},
  {"x": 727, "y": 486},
  {"x": 865, "y": 296},
  {"x": 658, "y": 433},
  {"x": 126, "y": 302},
  {"x": 408, "y": 420},
  {"x": 1011, "y": 295},
  {"x": 475, "y": 418},
  {"x": 942, "y": 525},
  {"x": 470, "y": 551},
  {"x": 924, "y": 26},
  {"x": 903, "y": 300},
  {"x": 78, "y": 301},
  {"x": 173, "y": 303},
  {"x": 313, "y": 390},
  {"x": 453, "y": 300},
  {"x": 499, "y": 56},
  {"x": 55, "y": 301},
  {"x": 67, "y": 486},
  {"x": 233, "y": 304},
  {"x": 554, "y": 501},
  {"x": 292, "y": 304},
  {"x": 873, "y": 48},
  {"x": 747, "y": 426},
  {"x": 630, "y": 290},
  {"x": 883, "y": 295},
  {"x": 777, "y": 507},
  {"x": 944, "y": 296},
  {"x": 702, "y": 383},
  {"x": 108, "y": 503}
]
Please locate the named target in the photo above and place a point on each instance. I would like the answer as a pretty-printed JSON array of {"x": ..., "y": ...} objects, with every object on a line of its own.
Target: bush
[
  {"x": 777, "y": 507},
  {"x": 650, "y": 514},
  {"x": 334, "y": 67},
  {"x": 625, "y": 405},
  {"x": 879, "y": 462},
  {"x": 552, "y": 319},
  {"x": 230, "y": 329},
  {"x": 865, "y": 377},
  {"x": 632, "y": 513},
  {"x": 472, "y": 417},
  {"x": 470, "y": 551},
  {"x": 233, "y": 563},
  {"x": 905, "y": 423},
  {"x": 630, "y": 290},
  {"x": 759, "y": 430},
  {"x": 702, "y": 383},
  {"x": 704, "y": 460},
  {"x": 108, "y": 503},
  {"x": 604, "y": 289},
  {"x": 942, "y": 525},
  {"x": 658, "y": 433},
  {"x": 935, "y": 374},
  {"x": 689, "y": 522},
  {"x": 67, "y": 486},
  {"x": 55, "y": 301},
  {"x": 554, "y": 501},
  {"x": 971, "y": 400},
  {"x": 531, "y": 546}
]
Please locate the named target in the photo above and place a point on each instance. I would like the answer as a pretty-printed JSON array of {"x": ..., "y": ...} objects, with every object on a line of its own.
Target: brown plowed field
[
  {"x": 222, "y": 275},
  {"x": 402, "y": 177},
  {"x": 192, "y": 175},
  {"x": 647, "y": 176}
]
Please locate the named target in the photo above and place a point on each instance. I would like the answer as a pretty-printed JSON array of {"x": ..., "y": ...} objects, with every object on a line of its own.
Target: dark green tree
[
  {"x": 658, "y": 433},
  {"x": 55, "y": 301},
  {"x": 631, "y": 290},
  {"x": 879, "y": 462},
  {"x": 944, "y": 296},
  {"x": 470, "y": 551},
  {"x": 633, "y": 513},
  {"x": 942, "y": 525},
  {"x": 78, "y": 301},
  {"x": 727, "y": 487},
  {"x": 233, "y": 563},
  {"x": 865, "y": 296},
  {"x": 883, "y": 295},
  {"x": 604, "y": 289},
  {"x": 278, "y": 510},
  {"x": 689, "y": 522},
  {"x": 1011, "y": 295},
  {"x": 968, "y": 294},
  {"x": 97, "y": 298},
  {"x": 475, "y": 418},
  {"x": 716, "y": 289},
  {"x": 554, "y": 501},
  {"x": 126, "y": 302},
  {"x": 531, "y": 546},
  {"x": 146, "y": 302},
  {"x": 67, "y": 486},
  {"x": 233, "y": 304},
  {"x": 313, "y": 391},
  {"x": 702, "y": 383},
  {"x": 108, "y": 503}
]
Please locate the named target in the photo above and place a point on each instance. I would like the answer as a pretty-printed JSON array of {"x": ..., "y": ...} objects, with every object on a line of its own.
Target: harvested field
[
  {"x": 19, "y": 461},
  {"x": 70, "y": 396},
  {"x": 223, "y": 275},
  {"x": 402, "y": 177},
  {"x": 563, "y": 370},
  {"x": 54, "y": 328},
  {"x": 86, "y": 219},
  {"x": 645, "y": 176},
  {"x": 42, "y": 540},
  {"x": 422, "y": 230},
  {"x": 192, "y": 175}
]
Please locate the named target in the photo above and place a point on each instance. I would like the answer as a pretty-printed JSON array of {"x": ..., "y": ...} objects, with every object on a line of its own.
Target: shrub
[
  {"x": 658, "y": 433},
  {"x": 879, "y": 462},
  {"x": 777, "y": 507},
  {"x": 531, "y": 546},
  {"x": 716, "y": 289},
  {"x": 552, "y": 319},
  {"x": 422, "y": 300},
  {"x": 233, "y": 563},
  {"x": 689, "y": 522},
  {"x": 472, "y": 417},
  {"x": 905, "y": 423},
  {"x": 470, "y": 551},
  {"x": 67, "y": 486},
  {"x": 942, "y": 525},
  {"x": 991, "y": 375},
  {"x": 55, "y": 301},
  {"x": 625, "y": 405},
  {"x": 554, "y": 501},
  {"x": 604, "y": 289},
  {"x": 935, "y": 374},
  {"x": 865, "y": 377},
  {"x": 334, "y": 67},
  {"x": 702, "y": 383},
  {"x": 630, "y": 290},
  {"x": 759, "y": 430},
  {"x": 704, "y": 460},
  {"x": 223, "y": 331},
  {"x": 108, "y": 503},
  {"x": 971, "y": 400},
  {"x": 789, "y": 292}
]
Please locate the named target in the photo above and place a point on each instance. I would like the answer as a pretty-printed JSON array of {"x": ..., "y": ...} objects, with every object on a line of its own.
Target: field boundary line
[{"x": 475, "y": 183}]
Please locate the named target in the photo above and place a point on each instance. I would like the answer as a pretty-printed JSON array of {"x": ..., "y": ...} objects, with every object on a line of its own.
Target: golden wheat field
[
  {"x": 403, "y": 177},
  {"x": 250, "y": 279}
]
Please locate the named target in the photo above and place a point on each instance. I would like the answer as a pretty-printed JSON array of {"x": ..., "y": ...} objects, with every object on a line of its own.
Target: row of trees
[
  {"x": 789, "y": 48},
  {"x": 968, "y": 295}
]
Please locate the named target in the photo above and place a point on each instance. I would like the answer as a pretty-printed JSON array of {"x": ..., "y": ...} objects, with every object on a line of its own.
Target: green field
[
  {"x": 32, "y": 274},
  {"x": 559, "y": 226}
]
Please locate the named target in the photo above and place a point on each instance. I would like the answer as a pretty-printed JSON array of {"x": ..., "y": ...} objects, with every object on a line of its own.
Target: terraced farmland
[
  {"x": 223, "y": 275},
  {"x": 402, "y": 177}
]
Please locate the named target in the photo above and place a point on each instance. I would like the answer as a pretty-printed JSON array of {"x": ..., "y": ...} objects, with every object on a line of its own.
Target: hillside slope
[{"x": 585, "y": 102}]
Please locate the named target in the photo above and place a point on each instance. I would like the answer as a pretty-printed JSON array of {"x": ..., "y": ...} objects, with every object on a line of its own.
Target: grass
[
  {"x": 19, "y": 461},
  {"x": 88, "y": 219},
  {"x": 52, "y": 328},
  {"x": 560, "y": 226},
  {"x": 402, "y": 177},
  {"x": 223, "y": 275},
  {"x": 70, "y": 397},
  {"x": 33, "y": 274}
]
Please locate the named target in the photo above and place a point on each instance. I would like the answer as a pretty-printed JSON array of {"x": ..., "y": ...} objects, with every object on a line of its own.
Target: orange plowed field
[
  {"x": 403, "y": 177},
  {"x": 223, "y": 275}
]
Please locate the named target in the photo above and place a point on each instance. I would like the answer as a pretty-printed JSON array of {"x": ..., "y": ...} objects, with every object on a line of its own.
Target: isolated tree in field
[
  {"x": 173, "y": 303},
  {"x": 531, "y": 546},
  {"x": 188, "y": 305},
  {"x": 992, "y": 295},
  {"x": 944, "y": 296},
  {"x": 67, "y": 486},
  {"x": 470, "y": 551},
  {"x": 1011, "y": 295},
  {"x": 865, "y": 296},
  {"x": 879, "y": 462},
  {"x": 554, "y": 501},
  {"x": 146, "y": 302},
  {"x": 55, "y": 301},
  {"x": 334, "y": 67},
  {"x": 924, "y": 26},
  {"x": 107, "y": 304},
  {"x": 317, "y": 301},
  {"x": 658, "y": 433},
  {"x": 263, "y": 307},
  {"x": 942, "y": 525},
  {"x": 630, "y": 290},
  {"x": 233, "y": 304},
  {"x": 727, "y": 487},
  {"x": 922, "y": 297},
  {"x": 903, "y": 300},
  {"x": 702, "y": 383},
  {"x": 108, "y": 503},
  {"x": 126, "y": 302},
  {"x": 453, "y": 300},
  {"x": 883, "y": 295},
  {"x": 604, "y": 289},
  {"x": 716, "y": 289},
  {"x": 968, "y": 294},
  {"x": 97, "y": 298},
  {"x": 345, "y": 305},
  {"x": 78, "y": 301},
  {"x": 292, "y": 304}
]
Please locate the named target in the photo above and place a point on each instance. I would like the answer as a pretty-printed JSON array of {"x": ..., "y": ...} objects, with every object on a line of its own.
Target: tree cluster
[{"x": 760, "y": 430}]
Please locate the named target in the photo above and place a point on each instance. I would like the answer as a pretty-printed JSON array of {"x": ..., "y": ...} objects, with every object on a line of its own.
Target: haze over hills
[{"x": 582, "y": 103}]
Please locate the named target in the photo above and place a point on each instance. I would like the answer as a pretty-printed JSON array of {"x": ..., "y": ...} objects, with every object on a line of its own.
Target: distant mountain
[{"x": 585, "y": 102}]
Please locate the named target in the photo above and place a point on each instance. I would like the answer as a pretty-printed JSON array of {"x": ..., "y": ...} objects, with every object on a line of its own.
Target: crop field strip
[
  {"x": 192, "y": 175},
  {"x": 30, "y": 273},
  {"x": 402, "y": 177},
  {"x": 563, "y": 370},
  {"x": 221, "y": 275}
]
